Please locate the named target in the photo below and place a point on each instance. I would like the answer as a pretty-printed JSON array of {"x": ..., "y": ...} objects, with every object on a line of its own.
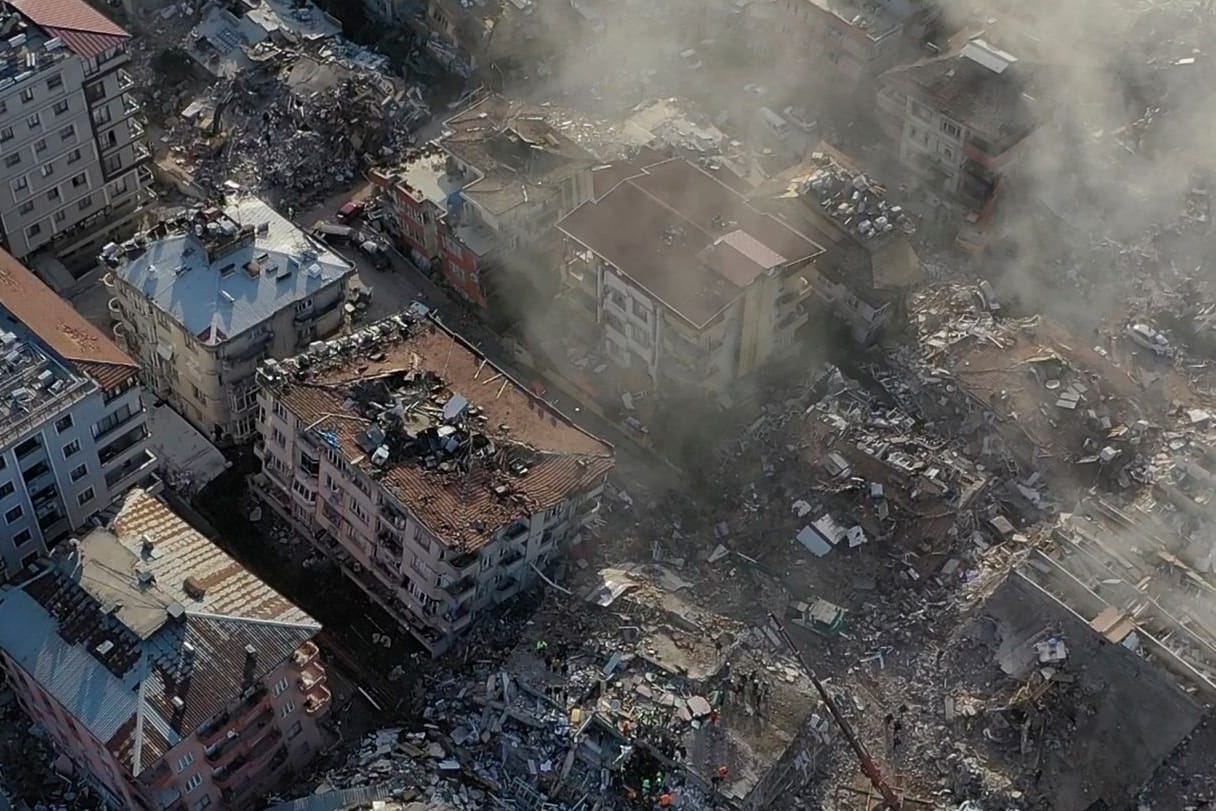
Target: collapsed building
[
  {"x": 167, "y": 674},
  {"x": 440, "y": 485},
  {"x": 200, "y": 299},
  {"x": 478, "y": 206}
]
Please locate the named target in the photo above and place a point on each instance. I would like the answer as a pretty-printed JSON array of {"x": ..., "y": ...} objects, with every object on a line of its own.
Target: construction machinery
[{"x": 891, "y": 800}]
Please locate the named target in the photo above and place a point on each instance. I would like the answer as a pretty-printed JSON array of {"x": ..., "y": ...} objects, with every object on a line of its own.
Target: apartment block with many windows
[
  {"x": 440, "y": 485},
  {"x": 73, "y": 427},
  {"x": 168, "y": 675},
  {"x": 205, "y": 298},
  {"x": 72, "y": 159}
]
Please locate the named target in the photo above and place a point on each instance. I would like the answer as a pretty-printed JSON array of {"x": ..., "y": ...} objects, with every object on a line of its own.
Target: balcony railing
[
  {"x": 311, "y": 677},
  {"x": 127, "y": 420},
  {"x": 317, "y": 700},
  {"x": 464, "y": 585},
  {"x": 305, "y": 653},
  {"x": 511, "y": 557},
  {"x": 209, "y": 730},
  {"x": 125, "y": 82},
  {"x": 131, "y": 467},
  {"x": 121, "y": 445}
]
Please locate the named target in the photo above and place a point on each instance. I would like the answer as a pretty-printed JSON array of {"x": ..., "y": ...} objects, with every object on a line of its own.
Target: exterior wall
[
  {"x": 855, "y": 56},
  {"x": 213, "y": 387},
  {"x": 80, "y": 150},
  {"x": 274, "y": 736},
  {"x": 461, "y": 269},
  {"x": 67, "y": 473},
  {"x": 277, "y": 732},
  {"x": 74, "y": 740},
  {"x": 432, "y": 588}
]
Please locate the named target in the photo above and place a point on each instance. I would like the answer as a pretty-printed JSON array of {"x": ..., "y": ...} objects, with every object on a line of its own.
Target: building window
[
  {"x": 358, "y": 510},
  {"x": 52, "y": 194},
  {"x": 39, "y": 146},
  {"x": 113, "y": 163},
  {"x": 71, "y": 449},
  {"x": 34, "y": 230},
  {"x": 279, "y": 438},
  {"x": 12, "y": 160},
  {"x": 23, "y": 537},
  {"x": 7, "y": 489},
  {"x": 203, "y": 803},
  {"x": 73, "y": 156},
  {"x": 194, "y": 782},
  {"x": 951, "y": 129},
  {"x": 68, "y": 132},
  {"x": 26, "y": 207},
  {"x": 48, "y": 169},
  {"x": 85, "y": 202},
  {"x": 185, "y": 762},
  {"x": 80, "y": 181},
  {"x": 85, "y": 497},
  {"x": 295, "y": 729},
  {"x": 6, "y": 133},
  {"x": 14, "y": 514},
  {"x": 63, "y": 423},
  {"x": 27, "y": 95},
  {"x": 21, "y": 184},
  {"x": 55, "y": 82},
  {"x": 281, "y": 687},
  {"x": 79, "y": 472},
  {"x": 61, "y": 107},
  {"x": 101, "y": 115},
  {"x": 59, "y": 217},
  {"x": 287, "y": 709},
  {"x": 33, "y": 122}
]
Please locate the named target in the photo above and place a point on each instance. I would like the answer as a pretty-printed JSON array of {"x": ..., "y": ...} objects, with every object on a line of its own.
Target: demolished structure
[
  {"x": 481, "y": 202},
  {"x": 440, "y": 485},
  {"x": 201, "y": 299},
  {"x": 168, "y": 675}
]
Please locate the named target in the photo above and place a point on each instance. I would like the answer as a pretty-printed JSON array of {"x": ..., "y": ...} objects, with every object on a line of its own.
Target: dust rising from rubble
[{"x": 1126, "y": 136}]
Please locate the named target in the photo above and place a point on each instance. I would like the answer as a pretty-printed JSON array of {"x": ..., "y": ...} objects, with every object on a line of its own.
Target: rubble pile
[{"x": 855, "y": 201}]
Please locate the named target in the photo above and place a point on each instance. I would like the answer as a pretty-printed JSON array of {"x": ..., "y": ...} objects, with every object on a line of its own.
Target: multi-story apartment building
[
  {"x": 854, "y": 40},
  {"x": 688, "y": 286},
  {"x": 869, "y": 264},
  {"x": 72, "y": 162},
  {"x": 487, "y": 193},
  {"x": 961, "y": 122},
  {"x": 440, "y": 485},
  {"x": 200, "y": 301},
  {"x": 170, "y": 676},
  {"x": 73, "y": 427}
]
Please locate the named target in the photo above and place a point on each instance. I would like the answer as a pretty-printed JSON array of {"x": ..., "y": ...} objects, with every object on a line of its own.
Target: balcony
[
  {"x": 318, "y": 700},
  {"x": 461, "y": 587},
  {"x": 311, "y": 676},
  {"x": 305, "y": 653},
  {"x": 259, "y": 449},
  {"x": 118, "y": 450},
  {"x": 504, "y": 588},
  {"x": 463, "y": 562},
  {"x": 143, "y": 462},
  {"x": 125, "y": 82},
  {"x": 129, "y": 105},
  {"x": 127, "y": 420},
  {"x": 209, "y": 731},
  {"x": 512, "y": 558}
]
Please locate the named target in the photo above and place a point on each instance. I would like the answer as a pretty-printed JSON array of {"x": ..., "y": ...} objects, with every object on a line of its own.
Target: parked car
[
  {"x": 375, "y": 250},
  {"x": 351, "y": 211},
  {"x": 1150, "y": 339},
  {"x": 332, "y": 233}
]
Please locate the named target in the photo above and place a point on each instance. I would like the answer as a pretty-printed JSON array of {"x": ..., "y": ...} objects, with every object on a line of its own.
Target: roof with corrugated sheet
[
  {"x": 115, "y": 650},
  {"x": 84, "y": 30}
]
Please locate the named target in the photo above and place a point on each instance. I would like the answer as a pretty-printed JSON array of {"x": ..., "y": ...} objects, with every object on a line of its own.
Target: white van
[{"x": 776, "y": 124}]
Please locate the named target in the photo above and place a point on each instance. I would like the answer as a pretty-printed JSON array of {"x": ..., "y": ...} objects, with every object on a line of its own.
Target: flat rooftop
[
  {"x": 219, "y": 274},
  {"x": 877, "y": 18},
  {"x": 452, "y": 436},
  {"x": 138, "y": 614},
  {"x": 690, "y": 240}
]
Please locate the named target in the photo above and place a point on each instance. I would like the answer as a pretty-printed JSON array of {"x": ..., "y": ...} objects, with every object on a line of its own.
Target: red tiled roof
[
  {"x": 83, "y": 29},
  {"x": 462, "y": 508},
  {"x": 58, "y": 324}
]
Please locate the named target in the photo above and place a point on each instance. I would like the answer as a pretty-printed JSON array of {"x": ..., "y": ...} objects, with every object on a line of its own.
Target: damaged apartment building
[
  {"x": 682, "y": 283},
  {"x": 73, "y": 424},
  {"x": 869, "y": 264},
  {"x": 484, "y": 198},
  {"x": 962, "y": 123},
  {"x": 74, "y": 168},
  {"x": 168, "y": 675},
  {"x": 440, "y": 485},
  {"x": 202, "y": 298}
]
